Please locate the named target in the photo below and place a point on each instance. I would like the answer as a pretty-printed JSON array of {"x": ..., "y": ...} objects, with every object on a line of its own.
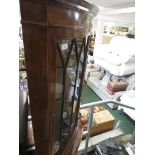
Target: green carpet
[{"x": 122, "y": 121}]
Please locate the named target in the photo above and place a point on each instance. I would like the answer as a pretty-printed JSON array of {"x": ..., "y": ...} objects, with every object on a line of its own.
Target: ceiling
[
  {"x": 119, "y": 11},
  {"x": 113, "y": 3}
]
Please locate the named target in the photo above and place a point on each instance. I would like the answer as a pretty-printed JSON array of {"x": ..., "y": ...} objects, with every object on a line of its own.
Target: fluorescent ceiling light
[{"x": 119, "y": 11}]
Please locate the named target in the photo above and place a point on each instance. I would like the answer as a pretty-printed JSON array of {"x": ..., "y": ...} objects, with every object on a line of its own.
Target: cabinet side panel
[{"x": 35, "y": 45}]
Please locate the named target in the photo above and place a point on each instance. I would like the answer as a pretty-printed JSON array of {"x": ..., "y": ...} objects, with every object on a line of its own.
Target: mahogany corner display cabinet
[{"x": 56, "y": 37}]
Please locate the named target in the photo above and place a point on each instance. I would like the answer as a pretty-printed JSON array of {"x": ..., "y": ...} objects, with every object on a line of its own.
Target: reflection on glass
[
  {"x": 64, "y": 46},
  {"x": 79, "y": 43},
  {"x": 74, "y": 111},
  {"x": 70, "y": 57},
  {"x": 59, "y": 100},
  {"x": 69, "y": 93},
  {"x": 79, "y": 75}
]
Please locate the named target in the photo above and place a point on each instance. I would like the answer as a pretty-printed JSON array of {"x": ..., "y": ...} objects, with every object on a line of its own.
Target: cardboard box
[{"x": 102, "y": 121}]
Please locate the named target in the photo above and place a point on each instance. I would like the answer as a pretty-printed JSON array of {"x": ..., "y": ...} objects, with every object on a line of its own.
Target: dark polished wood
[
  {"x": 74, "y": 142},
  {"x": 44, "y": 24}
]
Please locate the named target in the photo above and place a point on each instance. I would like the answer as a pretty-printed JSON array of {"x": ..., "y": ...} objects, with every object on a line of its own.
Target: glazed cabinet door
[{"x": 70, "y": 66}]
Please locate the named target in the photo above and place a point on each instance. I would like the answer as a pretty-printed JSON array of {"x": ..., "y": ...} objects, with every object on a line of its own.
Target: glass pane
[
  {"x": 78, "y": 80},
  {"x": 79, "y": 44},
  {"x": 74, "y": 111},
  {"x": 64, "y": 46},
  {"x": 80, "y": 66},
  {"x": 80, "y": 52},
  {"x": 69, "y": 94},
  {"x": 67, "y": 64},
  {"x": 59, "y": 100}
]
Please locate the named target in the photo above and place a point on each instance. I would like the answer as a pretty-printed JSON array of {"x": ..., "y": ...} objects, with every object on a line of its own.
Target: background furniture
[
  {"x": 128, "y": 98},
  {"x": 55, "y": 35},
  {"x": 117, "y": 61},
  {"x": 90, "y": 69},
  {"x": 99, "y": 86},
  {"x": 118, "y": 57}
]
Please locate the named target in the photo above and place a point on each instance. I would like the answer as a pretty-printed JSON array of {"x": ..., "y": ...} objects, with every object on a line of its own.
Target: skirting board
[{"x": 97, "y": 139}]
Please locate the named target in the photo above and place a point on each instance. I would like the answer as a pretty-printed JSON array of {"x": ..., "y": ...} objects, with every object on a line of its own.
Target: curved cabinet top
[
  {"x": 58, "y": 13},
  {"x": 76, "y": 4}
]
